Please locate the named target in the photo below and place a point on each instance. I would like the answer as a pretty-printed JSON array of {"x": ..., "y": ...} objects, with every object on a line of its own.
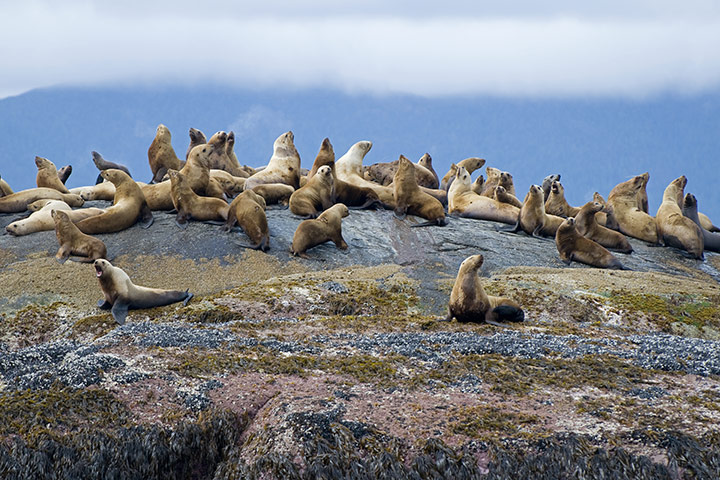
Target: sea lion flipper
[
  {"x": 119, "y": 311},
  {"x": 400, "y": 213},
  {"x": 146, "y": 216},
  {"x": 187, "y": 298},
  {"x": 104, "y": 305},
  {"x": 99, "y": 179}
]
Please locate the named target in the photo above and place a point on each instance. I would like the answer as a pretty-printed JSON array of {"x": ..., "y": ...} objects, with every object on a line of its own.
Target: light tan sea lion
[
  {"x": 5, "y": 188},
  {"x": 100, "y": 191},
  {"x": 502, "y": 196},
  {"x": 532, "y": 218},
  {"x": 711, "y": 241},
  {"x": 47, "y": 175},
  {"x": 631, "y": 219},
  {"x": 18, "y": 201},
  {"x": 547, "y": 183},
  {"x": 196, "y": 138},
  {"x": 349, "y": 169},
  {"x": 469, "y": 302},
  {"x": 121, "y": 294},
  {"x": 587, "y": 225},
  {"x": 129, "y": 207},
  {"x": 409, "y": 199},
  {"x": 317, "y": 195},
  {"x": 469, "y": 164},
  {"x": 497, "y": 177},
  {"x": 674, "y": 229},
  {"x": 327, "y": 227},
  {"x": 248, "y": 211},
  {"x": 190, "y": 205},
  {"x": 73, "y": 242},
  {"x": 556, "y": 203},
  {"x": 283, "y": 167},
  {"x": 573, "y": 246},
  {"x": 41, "y": 220},
  {"x": 161, "y": 154},
  {"x": 463, "y": 202}
]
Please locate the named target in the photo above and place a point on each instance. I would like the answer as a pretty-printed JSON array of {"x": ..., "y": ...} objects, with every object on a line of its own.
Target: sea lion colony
[{"x": 202, "y": 188}]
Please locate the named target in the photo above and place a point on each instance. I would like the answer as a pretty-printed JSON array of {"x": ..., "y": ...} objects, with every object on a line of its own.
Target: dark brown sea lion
[
  {"x": 327, "y": 227},
  {"x": 556, "y": 203},
  {"x": 248, "y": 211},
  {"x": 317, "y": 195},
  {"x": 64, "y": 173},
  {"x": 196, "y": 138},
  {"x": 103, "y": 164},
  {"x": 547, "y": 183},
  {"x": 573, "y": 246},
  {"x": 532, "y": 218}
]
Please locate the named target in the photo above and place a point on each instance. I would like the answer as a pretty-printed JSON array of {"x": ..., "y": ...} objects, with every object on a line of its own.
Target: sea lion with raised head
[
  {"x": 711, "y": 241},
  {"x": 283, "y": 167},
  {"x": 121, "y": 294},
  {"x": 248, "y": 211},
  {"x": 64, "y": 173},
  {"x": 103, "y": 164},
  {"x": 478, "y": 184},
  {"x": 41, "y": 220},
  {"x": 349, "y": 169},
  {"x": 469, "y": 164},
  {"x": 674, "y": 229},
  {"x": 73, "y": 242},
  {"x": 556, "y": 203},
  {"x": 409, "y": 199},
  {"x": 17, "y": 202},
  {"x": 426, "y": 162},
  {"x": 532, "y": 218},
  {"x": 327, "y": 227},
  {"x": 469, "y": 302},
  {"x": 196, "y": 138},
  {"x": 383, "y": 173},
  {"x": 547, "y": 183},
  {"x": 463, "y": 202},
  {"x": 502, "y": 195},
  {"x": 161, "y": 154},
  {"x": 573, "y": 246},
  {"x": 220, "y": 158},
  {"x": 497, "y": 177},
  {"x": 587, "y": 225},
  {"x": 631, "y": 220},
  {"x": 190, "y": 205},
  {"x": 605, "y": 217},
  {"x": 317, "y": 195},
  {"x": 47, "y": 175}
]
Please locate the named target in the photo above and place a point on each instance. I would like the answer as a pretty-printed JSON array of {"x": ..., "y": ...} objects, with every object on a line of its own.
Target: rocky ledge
[{"x": 336, "y": 366}]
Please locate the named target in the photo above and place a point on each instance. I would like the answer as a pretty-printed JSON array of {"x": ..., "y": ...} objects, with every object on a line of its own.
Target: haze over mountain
[{"x": 593, "y": 143}]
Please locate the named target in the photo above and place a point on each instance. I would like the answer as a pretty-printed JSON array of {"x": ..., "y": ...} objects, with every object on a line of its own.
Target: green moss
[
  {"x": 668, "y": 310},
  {"x": 488, "y": 422},
  {"x": 32, "y": 325},
  {"x": 95, "y": 325}
]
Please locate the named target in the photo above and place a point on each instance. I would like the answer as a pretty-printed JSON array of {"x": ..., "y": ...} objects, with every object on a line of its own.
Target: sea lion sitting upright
[
  {"x": 497, "y": 177},
  {"x": 410, "y": 199},
  {"x": 196, "y": 138},
  {"x": 573, "y": 246},
  {"x": 47, "y": 175},
  {"x": 238, "y": 170},
  {"x": 64, "y": 173},
  {"x": 248, "y": 211},
  {"x": 587, "y": 225},
  {"x": 220, "y": 158},
  {"x": 317, "y": 195},
  {"x": 469, "y": 302},
  {"x": 5, "y": 188},
  {"x": 103, "y": 164},
  {"x": 121, "y": 294},
  {"x": 191, "y": 205},
  {"x": 426, "y": 161},
  {"x": 129, "y": 207},
  {"x": 711, "y": 241},
  {"x": 469, "y": 164},
  {"x": 532, "y": 218},
  {"x": 631, "y": 219},
  {"x": 349, "y": 169},
  {"x": 161, "y": 154},
  {"x": 73, "y": 242},
  {"x": 463, "y": 202},
  {"x": 556, "y": 204},
  {"x": 327, "y": 227},
  {"x": 17, "y": 202},
  {"x": 605, "y": 217},
  {"x": 674, "y": 229},
  {"x": 547, "y": 183},
  {"x": 283, "y": 167}
]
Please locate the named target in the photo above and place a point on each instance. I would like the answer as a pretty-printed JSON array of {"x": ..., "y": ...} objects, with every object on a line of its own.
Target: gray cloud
[{"x": 517, "y": 49}]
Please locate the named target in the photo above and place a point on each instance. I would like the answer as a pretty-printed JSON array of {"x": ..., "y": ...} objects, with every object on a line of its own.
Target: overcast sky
[{"x": 510, "y": 48}]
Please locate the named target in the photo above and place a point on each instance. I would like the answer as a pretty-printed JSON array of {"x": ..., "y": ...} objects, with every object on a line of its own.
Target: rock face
[{"x": 335, "y": 365}]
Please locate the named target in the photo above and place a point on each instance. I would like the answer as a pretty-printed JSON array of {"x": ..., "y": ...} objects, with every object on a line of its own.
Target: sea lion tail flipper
[
  {"x": 429, "y": 223},
  {"x": 188, "y": 297},
  {"x": 104, "y": 305},
  {"x": 509, "y": 313},
  {"x": 146, "y": 216},
  {"x": 119, "y": 311}
]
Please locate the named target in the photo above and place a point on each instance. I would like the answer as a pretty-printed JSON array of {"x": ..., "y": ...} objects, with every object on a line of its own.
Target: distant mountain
[{"x": 594, "y": 144}]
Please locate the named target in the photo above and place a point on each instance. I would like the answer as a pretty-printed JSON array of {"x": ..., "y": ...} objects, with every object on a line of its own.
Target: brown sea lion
[
  {"x": 711, "y": 241},
  {"x": 161, "y": 154},
  {"x": 674, "y": 229},
  {"x": 532, "y": 218},
  {"x": 469, "y": 302},
  {"x": 587, "y": 225},
  {"x": 632, "y": 221},
  {"x": 274, "y": 193},
  {"x": 706, "y": 223},
  {"x": 99, "y": 191},
  {"x": 18, "y": 201},
  {"x": 469, "y": 164},
  {"x": 121, "y": 294},
  {"x": 409, "y": 199},
  {"x": 64, "y": 173},
  {"x": 463, "y": 202},
  {"x": 129, "y": 207},
  {"x": 547, "y": 183},
  {"x": 196, "y": 138},
  {"x": 41, "y": 220},
  {"x": 573, "y": 246},
  {"x": 5, "y": 188},
  {"x": 326, "y": 227},
  {"x": 502, "y": 195},
  {"x": 47, "y": 175},
  {"x": 248, "y": 211},
  {"x": 497, "y": 177},
  {"x": 383, "y": 173},
  {"x": 349, "y": 169},
  {"x": 230, "y": 184},
  {"x": 605, "y": 217},
  {"x": 317, "y": 195},
  {"x": 190, "y": 205},
  {"x": 426, "y": 162},
  {"x": 556, "y": 203},
  {"x": 220, "y": 158},
  {"x": 283, "y": 167},
  {"x": 73, "y": 242}
]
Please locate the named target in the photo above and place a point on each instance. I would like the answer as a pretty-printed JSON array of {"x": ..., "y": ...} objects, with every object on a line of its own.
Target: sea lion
[
  {"x": 497, "y": 177},
  {"x": 220, "y": 159},
  {"x": 41, "y": 220},
  {"x": 38, "y": 204},
  {"x": 409, "y": 199},
  {"x": 502, "y": 195},
  {"x": 573, "y": 246},
  {"x": 64, "y": 173},
  {"x": 237, "y": 169},
  {"x": 383, "y": 173},
  {"x": 556, "y": 204},
  {"x": 103, "y": 164},
  {"x": 283, "y": 167},
  {"x": 196, "y": 138},
  {"x": 18, "y": 201},
  {"x": 547, "y": 183},
  {"x": 463, "y": 202},
  {"x": 230, "y": 184},
  {"x": 532, "y": 218},
  {"x": 426, "y": 162},
  {"x": 161, "y": 154},
  {"x": 191, "y": 205},
  {"x": 129, "y": 207},
  {"x": 274, "y": 193},
  {"x": 711, "y": 241},
  {"x": 248, "y": 211},
  {"x": 47, "y": 175},
  {"x": 317, "y": 195},
  {"x": 469, "y": 164},
  {"x": 478, "y": 184},
  {"x": 100, "y": 191},
  {"x": 5, "y": 188},
  {"x": 469, "y": 302},
  {"x": 605, "y": 217},
  {"x": 326, "y": 227},
  {"x": 73, "y": 242},
  {"x": 674, "y": 229},
  {"x": 121, "y": 294},
  {"x": 587, "y": 225},
  {"x": 349, "y": 169},
  {"x": 631, "y": 219},
  {"x": 706, "y": 223}
]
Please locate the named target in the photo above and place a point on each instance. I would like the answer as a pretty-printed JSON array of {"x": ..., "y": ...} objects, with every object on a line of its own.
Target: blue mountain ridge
[{"x": 593, "y": 143}]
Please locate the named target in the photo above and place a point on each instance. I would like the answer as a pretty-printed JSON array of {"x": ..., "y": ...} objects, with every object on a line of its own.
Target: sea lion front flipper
[
  {"x": 181, "y": 220},
  {"x": 119, "y": 311},
  {"x": 146, "y": 216},
  {"x": 400, "y": 213},
  {"x": 104, "y": 305}
]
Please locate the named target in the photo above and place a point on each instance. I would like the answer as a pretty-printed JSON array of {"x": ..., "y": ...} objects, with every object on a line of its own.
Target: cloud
[{"x": 515, "y": 50}]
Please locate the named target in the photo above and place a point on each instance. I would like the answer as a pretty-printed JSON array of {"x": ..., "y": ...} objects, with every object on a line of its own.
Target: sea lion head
[
  {"x": 690, "y": 201},
  {"x": 103, "y": 268},
  {"x": 41, "y": 163},
  {"x": 115, "y": 176},
  {"x": 325, "y": 173},
  {"x": 176, "y": 178},
  {"x": 97, "y": 158},
  {"x": 196, "y": 136},
  {"x": 499, "y": 190},
  {"x": 426, "y": 161},
  {"x": 162, "y": 132},
  {"x": 327, "y": 148},
  {"x": 535, "y": 190},
  {"x": 364, "y": 146},
  {"x": 473, "y": 163},
  {"x": 201, "y": 153},
  {"x": 472, "y": 263},
  {"x": 598, "y": 198},
  {"x": 219, "y": 139},
  {"x": 462, "y": 176},
  {"x": 556, "y": 188},
  {"x": 231, "y": 139},
  {"x": 680, "y": 182}
]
